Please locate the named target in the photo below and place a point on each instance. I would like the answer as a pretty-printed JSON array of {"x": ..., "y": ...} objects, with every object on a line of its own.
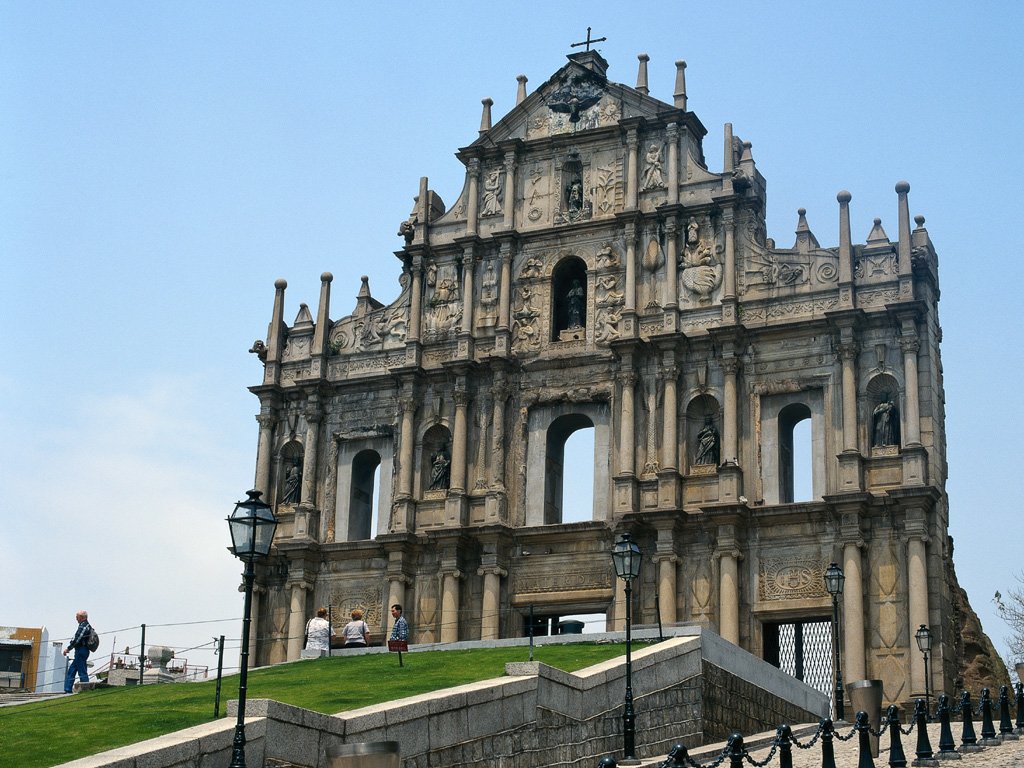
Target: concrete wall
[{"x": 693, "y": 688}]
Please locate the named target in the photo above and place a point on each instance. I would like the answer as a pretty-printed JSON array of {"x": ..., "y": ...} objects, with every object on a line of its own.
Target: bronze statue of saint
[
  {"x": 440, "y": 470},
  {"x": 708, "y": 448}
]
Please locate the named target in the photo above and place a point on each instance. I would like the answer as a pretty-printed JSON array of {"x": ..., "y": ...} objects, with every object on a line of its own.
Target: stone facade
[{"x": 595, "y": 273}]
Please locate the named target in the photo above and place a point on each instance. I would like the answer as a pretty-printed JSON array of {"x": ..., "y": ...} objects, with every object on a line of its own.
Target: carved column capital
[
  {"x": 730, "y": 365},
  {"x": 669, "y": 556},
  {"x": 910, "y": 345},
  {"x": 492, "y": 570},
  {"x": 628, "y": 378},
  {"x": 266, "y": 420},
  {"x": 672, "y": 131},
  {"x": 407, "y": 404},
  {"x": 848, "y": 350},
  {"x": 313, "y": 414},
  {"x": 632, "y": 138},
  {"x": 669, "y": 373},
  {"x": 461, "y": 397},
  {"x": 400, "y": 578},
  {"x": 474, "y": 167}
]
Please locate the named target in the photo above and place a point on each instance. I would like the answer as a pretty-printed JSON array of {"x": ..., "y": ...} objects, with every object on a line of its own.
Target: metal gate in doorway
[{"x": 803, "y": 649}]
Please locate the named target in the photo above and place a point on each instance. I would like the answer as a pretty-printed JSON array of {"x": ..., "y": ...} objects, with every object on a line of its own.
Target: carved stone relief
[
  {"x": 493, "y": 194},
  {"x": 791, "y": 578},
  {"x": 701, "y": 272}
]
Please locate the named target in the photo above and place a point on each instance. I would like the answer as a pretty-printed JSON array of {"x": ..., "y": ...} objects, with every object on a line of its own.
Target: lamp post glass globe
[
  {"x": 252, "y": 525},
  {"x": 924, "y": 644}
]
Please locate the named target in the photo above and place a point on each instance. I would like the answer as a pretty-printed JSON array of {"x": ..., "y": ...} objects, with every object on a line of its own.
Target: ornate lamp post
[
  {"x": 626, "y": 556},
  {"x": 834, "y": 579},
  {"x": 924, "y": 644},
  {"x": 252, "y": 527}
]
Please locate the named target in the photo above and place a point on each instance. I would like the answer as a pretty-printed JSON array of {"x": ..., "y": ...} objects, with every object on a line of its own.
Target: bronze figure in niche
[
  {"x": 292, "y": 483},
  {"x": 440, "y": 470},
  {"x": 886, "y": 425},
  {"x": 708, "y": 448}
]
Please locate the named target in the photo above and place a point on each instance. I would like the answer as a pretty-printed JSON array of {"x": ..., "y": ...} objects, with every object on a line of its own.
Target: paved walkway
[{"x": 1009, "y": 754}]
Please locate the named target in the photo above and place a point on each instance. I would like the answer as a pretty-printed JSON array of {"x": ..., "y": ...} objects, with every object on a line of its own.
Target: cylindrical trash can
[
  {"x": 368, "y": 754},
  {"x": 866, "y": 696},
  {"x": 570, "y": 627}
]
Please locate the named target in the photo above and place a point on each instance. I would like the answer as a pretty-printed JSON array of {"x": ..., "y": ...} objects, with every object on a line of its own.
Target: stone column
[
  {"x": 619, "y": 619},
  {"x": 630, "y": 299},
  {"x": 729, "y": 279},
  {"x": 407, "y": 405},
  {"x": 631, "y": 169},
  {"x": 853, "y": 612},
  {"x": 912, "y": 416},
  {"x": 729, "y": 596},
  {"x": 499, "y": 393},
  {"x": 450, "y": 606},
  {"x": 848, "y": 355},
  {"x": 468, "y": 263},
  {"x": 490, "y": 619},
  {"x": 917, "y": 593},
  {"x": 627, "y": 442},
  {"x": 396, "y": 594},
  {"x": 473, "y": 172},
  {"x": 416, "y": 300},
  {"x": 730, "y": 451},
  {"x": 509, "y": 208},
  {"x": 264, "y": 452},
  {"x": 254, "y": 634},
  {"x": 906, "y": 271},
  {"x": 667, "y": 587},
  {"x": 671, "y": 297},
  {"x": 296, "y": 619},
  {"x": 309, "y": 455},
  {"x": 458, "y": 473},
  {"x": 845, "y": 251},
  {"x": 670, "y": 440},
  {"x": 330, "y": 505},
  {"x": 505, "y": 289},
  {"x": 672, "y": 137}
]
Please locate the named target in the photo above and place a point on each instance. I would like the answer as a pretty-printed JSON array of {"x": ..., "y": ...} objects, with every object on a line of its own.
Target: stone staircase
[{"x": 24, "y": 697}]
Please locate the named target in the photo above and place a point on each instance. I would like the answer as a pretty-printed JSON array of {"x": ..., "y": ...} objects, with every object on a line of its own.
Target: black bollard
[
  {"x": 897, "y": 757},
  {"x": 607, "y": 762},
  {"x": 968, "y": 741},
  {"x": 1005, "y": 724},
  {"x": 677, "y": 757},
  {"x": 863, "y": 728},
  {"x": 925, "y": 756},
  {"x": 988, "y": 727},
  {"x": 828, "y": 751},
  {"x": 1020, "y": 707},
  {"x": 947, "y": 746},
  {"x": 784, "y": 738},
  {"x": 735, "y": 749}
]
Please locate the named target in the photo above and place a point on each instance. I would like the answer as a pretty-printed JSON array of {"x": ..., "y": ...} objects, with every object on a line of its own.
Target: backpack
[{"x": 92, "y": 639}]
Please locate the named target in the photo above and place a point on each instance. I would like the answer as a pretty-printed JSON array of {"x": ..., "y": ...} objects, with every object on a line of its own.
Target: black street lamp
[
  {"x": 924, "y": 645},
  {"x": 252, "y": 527},
  {"x": 626, "y": 556},
  {"x": 834, "y": 579}
]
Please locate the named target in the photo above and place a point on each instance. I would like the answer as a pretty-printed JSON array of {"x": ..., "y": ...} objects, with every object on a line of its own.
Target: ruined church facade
[{"x": 597, "y": 273}]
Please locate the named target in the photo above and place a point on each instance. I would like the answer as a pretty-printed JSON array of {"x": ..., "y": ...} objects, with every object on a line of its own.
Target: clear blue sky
[{"x": 161, "y": 164}]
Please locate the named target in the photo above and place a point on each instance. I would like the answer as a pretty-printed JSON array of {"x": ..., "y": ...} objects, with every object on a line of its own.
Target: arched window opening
[
  {"x": 796, "y": 455},
  {"x": 568, "y": 299},
  {"x": 569, "y": 495},
  {"x": 363, "y": 500}
]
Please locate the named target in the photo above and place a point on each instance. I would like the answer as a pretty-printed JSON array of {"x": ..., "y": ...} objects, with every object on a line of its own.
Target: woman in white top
[
  {"x": 319, "y": 632},
  {"x": 356, "y": 633}
]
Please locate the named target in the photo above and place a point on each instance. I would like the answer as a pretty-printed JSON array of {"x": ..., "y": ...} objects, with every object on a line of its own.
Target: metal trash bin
[
  {"x": 367, "y": 754},
  {"x": 570, "y": 627},
  {"x": 866, "y": 696}
]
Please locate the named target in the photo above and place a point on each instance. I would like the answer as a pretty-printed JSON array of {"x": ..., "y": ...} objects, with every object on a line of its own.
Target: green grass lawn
[{"x": 48, "y": 733}]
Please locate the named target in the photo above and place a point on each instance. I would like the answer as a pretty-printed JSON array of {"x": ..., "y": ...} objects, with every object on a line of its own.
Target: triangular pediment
[{"x": 578, "y": 97}]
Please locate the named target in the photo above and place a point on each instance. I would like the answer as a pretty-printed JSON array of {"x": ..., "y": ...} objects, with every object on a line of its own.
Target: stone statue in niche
[
  {"x": 492, "y": 193},
  {"x": 653, "y": 178},
  {"x": 292, "y": 482},
  {"x": 574, "y": 301},
  {"x": 440, "y": 469},
  {"x": 574, "y": 197},
  {"x": 708, "y": 444},
  {"x": 885, "y": 421}
]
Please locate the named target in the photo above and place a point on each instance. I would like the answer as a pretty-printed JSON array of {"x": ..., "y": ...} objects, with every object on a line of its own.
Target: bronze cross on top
[{"x": 588, "y": 41}]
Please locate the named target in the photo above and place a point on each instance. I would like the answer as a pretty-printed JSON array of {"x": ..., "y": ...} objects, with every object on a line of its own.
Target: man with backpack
[{"x": 85, "y": 639}]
